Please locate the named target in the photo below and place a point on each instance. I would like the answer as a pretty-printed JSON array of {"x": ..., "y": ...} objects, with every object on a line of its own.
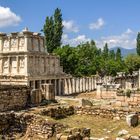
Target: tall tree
[
  {"x": 58, "y": 28},
  {"x": 53, "y": 30},
  {"x": 118, "y": 54},
  {"x": 112, "y": 54},
  {"x": 105, "y": 51},
  {"x": 138, "y": 44},
  {"x": 49, "y": 33}
]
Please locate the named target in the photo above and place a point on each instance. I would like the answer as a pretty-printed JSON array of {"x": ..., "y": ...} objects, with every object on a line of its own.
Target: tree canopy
[
  {"x": 86, "y": 59},
  {"x": 53, "y": 30}
]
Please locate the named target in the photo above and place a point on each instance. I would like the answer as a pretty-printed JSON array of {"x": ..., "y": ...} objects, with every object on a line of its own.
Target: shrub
[{"x": 128, "y": 93}]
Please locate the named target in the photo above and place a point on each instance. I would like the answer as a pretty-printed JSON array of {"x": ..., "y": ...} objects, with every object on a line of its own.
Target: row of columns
[
  {"x": 78, "y": 85},
  {"x": 58, "y": 85},
  {"x": 69, "y": 85}
]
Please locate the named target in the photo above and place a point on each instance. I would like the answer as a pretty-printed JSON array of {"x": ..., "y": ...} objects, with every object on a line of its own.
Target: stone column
[
  {"x": 33, "y": 84},
  {"x": 73, "y": 85},
  {"x": 48, "y": 91},
  {"x": 81, "y": 85},
  {"x": 91, "y": 83},
  {"x": 59, "y": 87},
  {"x": 40, "y": 84},
  {"x": 26, "y": 43},
  {"x": 1, "y": 43},
  {"x": 139, "y": 79},
  {"x": 78, "y": 85},
  {"x": 65, "y": 87},
  {"x": 1, "y": 40},
  {"x": 55, "y": 86},
  {"x": 69, "y": 84},
  {"x": 17, "y": 43},
  {"x": 85, "y": 83},
  {"x": 9, "y": 39},
  {"x": 17, "y": 59},
  {"x": 95, "y": 83},
  {"x": 92, "y": 86},
  {"x": 27, "y": 35},
  {"x": 9, "y": 65},
  {"x": 25, "y": 65},
  {"x": 99, "y": 91}
]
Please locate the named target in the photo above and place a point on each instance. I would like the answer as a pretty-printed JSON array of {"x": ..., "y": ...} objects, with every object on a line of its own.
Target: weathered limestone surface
[
  {"x": 48, "y": 91},
  {"x": 13, "y": 97},
  {"x": 79, "y": 84},
  {"x": 36, "y": 96},
  {"x": 25, "y": 61}
]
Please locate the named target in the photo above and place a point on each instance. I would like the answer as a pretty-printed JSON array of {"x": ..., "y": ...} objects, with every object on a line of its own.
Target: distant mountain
[{"x": 125, "y": 51}]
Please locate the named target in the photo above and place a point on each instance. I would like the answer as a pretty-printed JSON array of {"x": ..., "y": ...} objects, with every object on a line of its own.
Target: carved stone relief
[
  {"x": 13, "y": 65},
  {"x": 13, "y": 44},
  {"x": 41, "y": 45},
  {"x": 35, "y": 44},
  {"x": 5, "y": 65},
  {"x": 1, "y": 65},
  {"x": 42, "y": 65},
  {"x": 21, "y": 64},
  {"x": 21, "y": 43},
  {"x": 6, "y": 44}
]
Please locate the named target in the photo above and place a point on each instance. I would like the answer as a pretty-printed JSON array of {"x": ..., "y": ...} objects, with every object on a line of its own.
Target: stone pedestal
[
  {"x": 36, "y": 96},
  {"x": 48, "y": 91},
  {"x": 99, "y": 90}
]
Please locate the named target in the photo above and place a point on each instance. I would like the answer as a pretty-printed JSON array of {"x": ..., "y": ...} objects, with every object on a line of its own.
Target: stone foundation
[
  {"x": 111, "y": 113},
  {"x": 13, "y": 97}
]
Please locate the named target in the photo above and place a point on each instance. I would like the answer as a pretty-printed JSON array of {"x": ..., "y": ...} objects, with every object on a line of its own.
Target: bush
[{"x": 128, "y": 93}]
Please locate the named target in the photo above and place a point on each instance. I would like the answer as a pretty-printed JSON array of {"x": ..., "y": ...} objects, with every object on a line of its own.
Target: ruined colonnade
[{"x": 79, "y": 85}]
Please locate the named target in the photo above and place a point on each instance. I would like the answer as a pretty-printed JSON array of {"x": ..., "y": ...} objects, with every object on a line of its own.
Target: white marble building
[{"x": 25, "y": 61}]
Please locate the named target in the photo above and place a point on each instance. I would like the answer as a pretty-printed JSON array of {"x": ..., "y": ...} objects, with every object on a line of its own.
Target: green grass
[{"x": 100, "y": 127}]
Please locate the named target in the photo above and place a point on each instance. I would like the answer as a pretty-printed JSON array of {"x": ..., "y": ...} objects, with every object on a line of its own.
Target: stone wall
[
  {"x": 13, "y": 97},
  {"x": 104, "y": 94},
  {"x": 133, "y": 100},
  {"x": 105, "y": 112}
]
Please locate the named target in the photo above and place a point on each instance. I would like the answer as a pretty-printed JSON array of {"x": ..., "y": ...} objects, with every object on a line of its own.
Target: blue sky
[{"x": 113, "y": 21}]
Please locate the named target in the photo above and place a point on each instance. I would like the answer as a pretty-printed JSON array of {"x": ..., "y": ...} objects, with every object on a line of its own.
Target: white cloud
[
  {"x": 8, "y": 18},
  {"x": 69, "y": 26},
  {"x": 74, "y": 41},
  {"x": 97, "y": 25},
  {"x": 126, "y": 40}
]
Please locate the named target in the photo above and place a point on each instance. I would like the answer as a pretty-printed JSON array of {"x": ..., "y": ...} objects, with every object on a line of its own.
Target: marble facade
[{"x": 24, "y": 60}]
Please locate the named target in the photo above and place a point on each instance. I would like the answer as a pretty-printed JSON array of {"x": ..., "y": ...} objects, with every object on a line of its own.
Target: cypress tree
[
  {"x": 138, "y": 44},
  {"x": 53, "y": 30},
  {"x": 58, "y": 28}
]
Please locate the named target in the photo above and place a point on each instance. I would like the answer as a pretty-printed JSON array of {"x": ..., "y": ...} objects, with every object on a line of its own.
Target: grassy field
[{"x": 100, "y": 127}]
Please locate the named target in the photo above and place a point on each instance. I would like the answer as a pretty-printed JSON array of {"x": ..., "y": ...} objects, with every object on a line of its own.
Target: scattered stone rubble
[
  {"x": 74, "y": 134},
  {"x": 58, "y": 112},
  {"x": 12, "y": 123},
  {"x": 43, "y": 129}
]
